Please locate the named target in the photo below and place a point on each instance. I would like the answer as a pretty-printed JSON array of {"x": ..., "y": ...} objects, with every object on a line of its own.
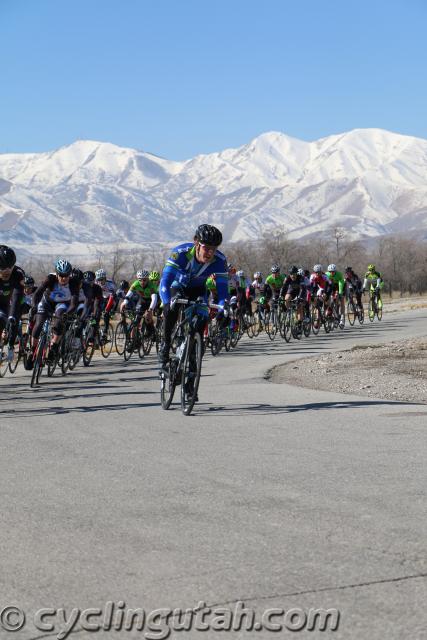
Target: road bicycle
[
  {"x": 354, "y": 310},
  {"x": 375, "y": 306},
  {"x": 185, "y": 363}
]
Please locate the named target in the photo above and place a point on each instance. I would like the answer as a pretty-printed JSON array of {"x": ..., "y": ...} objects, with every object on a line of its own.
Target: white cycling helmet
[
  {"x": 300, "y": 272},
  {"x": 257, "y": 274},
  {"x": 332, "y": 267},
  {"x": 100, "y": 274},
  {"x": 240, "y": 274},
  {"x": 142, "y": 273},
  {"x": 317, "y": 268}
]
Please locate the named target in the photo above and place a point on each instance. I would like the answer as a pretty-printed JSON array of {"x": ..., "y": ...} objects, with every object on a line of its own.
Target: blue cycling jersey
[{"x": 182, "y": 263}]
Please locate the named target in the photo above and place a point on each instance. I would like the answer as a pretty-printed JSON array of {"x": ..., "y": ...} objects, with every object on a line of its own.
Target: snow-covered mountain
[{"x": 89, "y": 193}]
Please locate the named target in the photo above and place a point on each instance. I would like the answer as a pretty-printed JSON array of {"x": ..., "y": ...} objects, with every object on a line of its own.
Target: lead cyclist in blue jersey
[{"x": 187, "y": 269}]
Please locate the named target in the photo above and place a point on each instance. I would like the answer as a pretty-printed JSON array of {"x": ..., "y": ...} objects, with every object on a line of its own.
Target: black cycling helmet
[
  {"x": 28, "y": 281},
  {"x": 293, "y": 270},
  {"x": 7, "y": 257},
  {"x": 89, "y": 276},
  {"x": 124, "y": 284},
  {"x": 207, "y": 234},
  {"x": 349, "y": 269},
  {"x": 77, "y": 274}
]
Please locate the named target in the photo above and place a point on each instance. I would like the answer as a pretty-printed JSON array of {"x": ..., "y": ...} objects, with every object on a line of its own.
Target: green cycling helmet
[
  {"x": 154, "y": 275},
  {"x": 262, "y": 300}
]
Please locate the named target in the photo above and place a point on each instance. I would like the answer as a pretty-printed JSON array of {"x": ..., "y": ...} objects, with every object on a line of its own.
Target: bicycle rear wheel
[
  {"x": 361, "y": 315},
  {"x": 192, "y": 369}
]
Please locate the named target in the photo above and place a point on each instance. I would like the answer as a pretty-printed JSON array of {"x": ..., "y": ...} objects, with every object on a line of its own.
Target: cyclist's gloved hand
[{"x": 223, "y": 308}]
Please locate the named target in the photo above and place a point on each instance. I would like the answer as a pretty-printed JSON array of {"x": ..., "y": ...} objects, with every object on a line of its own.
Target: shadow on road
[{"x": 272, "y": 409}]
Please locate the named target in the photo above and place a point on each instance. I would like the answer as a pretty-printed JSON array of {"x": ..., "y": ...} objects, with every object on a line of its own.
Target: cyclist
[
  {"x": 29, "y": 288},
  {"x": 155, "y": 281},
  {"x": 375, "y": 281},
  {"x": 11, "y": 292},
  {"x": 93, "y": 299},
  {"x": 275, "y": 282},
  {"x": 294, "y": 288},
  {"x": 108, "y": 293},
  {"x": 187, "y": 268},
  {"x": 121, "y": 293},
  {"x": 58, "y": 295},
  {"x": 145, "y": 289},
  {"x": 338, "y": 284},
  {"x": 353, "y": 284},
  {"x": 320, "y": 284}
]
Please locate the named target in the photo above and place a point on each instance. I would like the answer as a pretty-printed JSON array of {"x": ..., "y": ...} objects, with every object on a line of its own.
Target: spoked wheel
[
  {"x": 107, "y": 340},
  {"x": 65, "y": 350},
  {"x": 27, "y": 348},
  {"x": 256, "y": 324},
  {"x": 192, "y": 369},
  {"x": 287, "y": 328},
  {"x": 306, "y": 326},
  {"x": 38, "y": 361},
  {"x": 379, "y": 313},
  {"x": 281, "y": 322},
  {"x": 271, "y": 326},
  {"x": 120, "y": 337},
  {"x": 216, "y": 340},
  {"x": 88, "y": 345},
  {"x": 129, "y": 344},
  {"x": 249, "y": 327},
  {"x": 168, "y": 383},
  {"x": 17, "y": 354},
  {"x": 3, "y": 358},
  {"x": 315, "y": 320},
  {"x": 75, "y": 352},
  {"x": 371, "y": 311},
  {"x": 148, "y": 336},
  {"x": 361, "y": 315},
  {"x": 234, "y": 338},
  {"x": 351, "y": 312},
  {"x": 296, "y": 329}
]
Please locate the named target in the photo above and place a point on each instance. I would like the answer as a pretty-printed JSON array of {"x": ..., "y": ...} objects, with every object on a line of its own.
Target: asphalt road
[{"x": 276, "y": 496}]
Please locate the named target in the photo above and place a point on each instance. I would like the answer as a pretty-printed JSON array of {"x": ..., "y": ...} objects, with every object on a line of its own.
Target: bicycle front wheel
[
  {"x": 107, "y": 341},
  {"x": 351, "y": 312},
  {"x": 120, "y": 337},
  {"x": 192, "y": 369}
]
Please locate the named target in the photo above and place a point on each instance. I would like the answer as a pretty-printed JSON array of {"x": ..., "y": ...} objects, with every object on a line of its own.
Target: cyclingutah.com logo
[{"x": 159, "y": 623}]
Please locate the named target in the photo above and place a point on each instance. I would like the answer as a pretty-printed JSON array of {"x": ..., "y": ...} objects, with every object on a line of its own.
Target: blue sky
[{"x": 182, "y": 77}]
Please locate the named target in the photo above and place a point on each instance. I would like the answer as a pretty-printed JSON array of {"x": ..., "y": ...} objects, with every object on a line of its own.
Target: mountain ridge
[{"x": 368, "y": 181}]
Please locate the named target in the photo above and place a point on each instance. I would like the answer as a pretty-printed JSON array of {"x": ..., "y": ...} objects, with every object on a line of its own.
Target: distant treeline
[{"x": 402, "y": 260}]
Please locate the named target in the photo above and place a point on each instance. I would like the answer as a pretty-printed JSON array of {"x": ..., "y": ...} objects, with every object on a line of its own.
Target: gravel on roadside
[{"x": 394, "y": 370}]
